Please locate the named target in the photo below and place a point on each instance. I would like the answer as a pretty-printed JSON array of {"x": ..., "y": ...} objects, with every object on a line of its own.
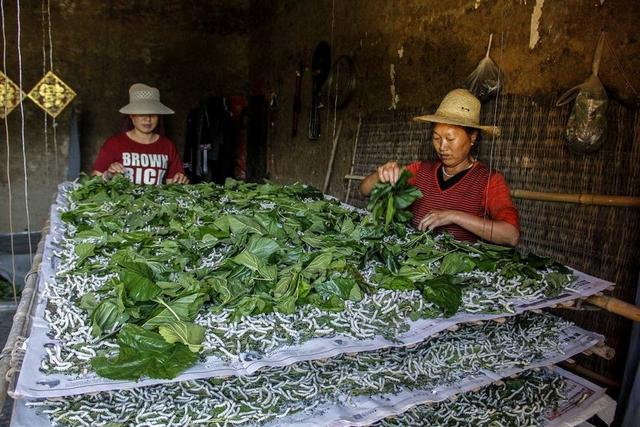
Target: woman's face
[
  {"x": 452, "y": 143},
  {"x": 144, "y": 123}
]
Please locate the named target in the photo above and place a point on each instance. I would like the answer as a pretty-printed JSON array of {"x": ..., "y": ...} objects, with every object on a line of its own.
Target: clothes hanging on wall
[
  {"x": 225, "y": 138},
  {"x": 257, "y": 123},
  {"x": 239, "y": 133},
  {"x": 207, "y": 154}
]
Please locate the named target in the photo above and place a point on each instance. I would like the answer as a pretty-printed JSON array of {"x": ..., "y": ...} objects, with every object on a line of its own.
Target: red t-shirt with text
[{"x": 145, "y": 163}]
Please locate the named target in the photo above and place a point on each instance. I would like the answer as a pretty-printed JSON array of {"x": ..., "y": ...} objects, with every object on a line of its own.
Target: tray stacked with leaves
[
  {"x": 155, "y": 284},
  {"x": 351, "y": 389}
]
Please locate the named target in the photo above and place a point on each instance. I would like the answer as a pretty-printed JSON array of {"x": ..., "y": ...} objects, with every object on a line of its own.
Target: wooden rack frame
[
  {"x": 19, "y": 327},
  {"x": 616, "y": 306},
  {"x": 21, "y": 323}
]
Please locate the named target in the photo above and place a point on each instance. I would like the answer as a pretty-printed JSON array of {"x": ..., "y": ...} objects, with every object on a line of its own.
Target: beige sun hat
[
  {"x": 459, "y": 107},
  {"x": 144, "y": 99}
]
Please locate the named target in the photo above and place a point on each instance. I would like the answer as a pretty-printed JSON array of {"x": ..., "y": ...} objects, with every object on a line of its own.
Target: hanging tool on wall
[
  {"x": 342, "y": 81},
  {"x": 320, "y": 67},
  {"x": 297, "y": 99}
]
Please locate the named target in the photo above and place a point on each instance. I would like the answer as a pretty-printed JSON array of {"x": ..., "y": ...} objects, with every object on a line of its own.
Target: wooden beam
[
  {"x": 19, "y": 326},
  {"x": 602, "y": 350},
  {"x": 582, "y": 199},
  {"x": 616, "y": 306},
  {"x": 581, "y": 370}
]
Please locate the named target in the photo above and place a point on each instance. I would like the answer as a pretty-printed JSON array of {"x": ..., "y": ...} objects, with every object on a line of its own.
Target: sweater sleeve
[
  {"x": 498, "y": 203},
  {"x": 413, "y": 168}
]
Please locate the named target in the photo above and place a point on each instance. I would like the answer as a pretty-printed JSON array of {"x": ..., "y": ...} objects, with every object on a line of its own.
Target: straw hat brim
[
  {"x": 146, "y": 107},
  {"x": 490, "y": 130}
]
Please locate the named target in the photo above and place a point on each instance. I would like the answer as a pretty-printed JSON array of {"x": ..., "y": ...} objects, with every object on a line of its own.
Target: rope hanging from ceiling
[
  {"x": 22, "y": 135},
  {"x": 50, "y": 93},
  {"x": 8, "y": 163}
]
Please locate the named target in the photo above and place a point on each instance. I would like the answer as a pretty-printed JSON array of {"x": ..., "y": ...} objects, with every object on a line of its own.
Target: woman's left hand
[
  {"x": 437, "y": 218},
  {"x": 178, "y": 178}
]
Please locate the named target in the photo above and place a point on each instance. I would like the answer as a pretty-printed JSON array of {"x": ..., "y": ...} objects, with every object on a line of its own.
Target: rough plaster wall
[
  {"x": 188, "y": 50},
  {"x": 432, "y": 46}
]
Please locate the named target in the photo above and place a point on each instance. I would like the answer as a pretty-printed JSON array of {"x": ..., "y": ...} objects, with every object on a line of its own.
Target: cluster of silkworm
[
  {"x": 275, "y": 393},
  {"x": 517, "y": 402},
  {"x": 385, "y": 314}
]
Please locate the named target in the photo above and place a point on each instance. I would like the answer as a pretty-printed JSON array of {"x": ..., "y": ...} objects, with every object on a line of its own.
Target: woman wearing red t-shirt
[
  {"x": 460, "y": 195},
  {"x": 141, "y": 154}
]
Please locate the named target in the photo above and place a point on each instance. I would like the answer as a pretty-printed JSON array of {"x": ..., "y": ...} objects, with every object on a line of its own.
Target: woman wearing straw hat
[
  {"x": 141, "y": 154},
  {"x": 459, "y": 194}
]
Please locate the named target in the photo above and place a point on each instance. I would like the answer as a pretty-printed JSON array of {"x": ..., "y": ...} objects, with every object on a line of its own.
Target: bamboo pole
[
  {"x": 577, "y": 198},
  {"x": 616, "y": 306},
  {"x": 353, "y": 159},
  {"x": 581, "y": 370},
  {"x": 604, "y": 351},
  {"x": 601, "y": 350},
  {"x": 582, "y": 199},
  {"x": 327, "y": 176},
  {"x": 351, "y": 177},
  {"x": 20, "y": 319}
]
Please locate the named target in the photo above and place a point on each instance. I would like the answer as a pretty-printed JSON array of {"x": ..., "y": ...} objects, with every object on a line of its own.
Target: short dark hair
[{"x": 470, "y": 131}]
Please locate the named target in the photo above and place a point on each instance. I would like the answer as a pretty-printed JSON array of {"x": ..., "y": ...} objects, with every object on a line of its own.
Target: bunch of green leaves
[
  {"x": 389, "y": 203},
  {"x": 147, "y": 353},
  {"x": 146, "y": 311}
]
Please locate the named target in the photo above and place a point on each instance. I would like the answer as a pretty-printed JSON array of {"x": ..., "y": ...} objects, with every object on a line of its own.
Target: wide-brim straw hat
[
  {"x": 145, "y": 99},
  {"x": 459, "y": 107}
]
